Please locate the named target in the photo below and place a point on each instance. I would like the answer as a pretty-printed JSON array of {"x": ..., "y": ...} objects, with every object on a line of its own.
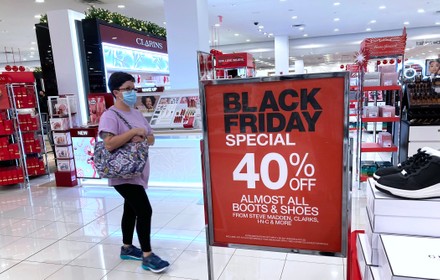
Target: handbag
[{"x": 128, "y": 161}]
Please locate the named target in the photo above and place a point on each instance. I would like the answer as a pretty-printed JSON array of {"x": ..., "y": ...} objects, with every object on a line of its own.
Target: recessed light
[
  {"x": 437, "y": 23},
  {"x": 121, "y": 6},
  {"x": 301, "y": 28},
  {"x": 336, "y": 4},
  {"x": 336, "y": 29},
  {"x": 305, "y": 35},
  {"x": 373, "y": 21},
  {"x": 217, "y": 25},
  {"x": 382, "y": 7},
  {"x": 336, "y": 19},
  {"x": 406, "y": 23},
  {"x": 236, "y": 34},
  {"x": 368, "y": 29},
  {"x": 294, "y": 17},
  {"x": 261, "y": 27},
  {"x": 270, "y": 34},
  {"x": 420, "y": 11},
  {"x": 39, "y": 1},
  {"x": 164, "y": 23},
  {"x": 248, "y": 40}
]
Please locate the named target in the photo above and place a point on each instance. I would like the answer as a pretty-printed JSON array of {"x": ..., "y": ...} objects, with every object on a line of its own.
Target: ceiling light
[
  {"x": 305, "y": 35},
  {"x": 164, "y": 23},
  {"x": 301, "y": 28},
  {"x": 382, "y": 7},
  {"x": 39, "y": 1},
  {"x": 406, "y": 23},
  {"x": 270, "y": 34},
  {"x": 236, "y": 34},
  {"x": 121, "y": 6},
  {"x": 336, "y": 29},
  {"x": 420, "y": 11},
  {"x": 336, "y": 4},
  {"x": 217, "y": 25},
  {"x": 437, "y": 23},
  {"x": 261, "y": 27},
  {"x": 368, "y": 29},
  {"x": 373, "y": 21},
  {"x": 248, "y": 40},
  {"x": 294, "y": 17},
  {"x": 336, "y": 19}
]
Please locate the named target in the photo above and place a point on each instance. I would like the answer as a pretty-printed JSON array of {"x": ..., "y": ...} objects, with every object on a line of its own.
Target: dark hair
[
  {"x": 117, "y": 79},
  {"x": 144, "y": 100}
]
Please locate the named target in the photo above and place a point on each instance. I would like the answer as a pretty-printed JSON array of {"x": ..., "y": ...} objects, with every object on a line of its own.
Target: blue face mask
[{"x": 129, "y": 98}]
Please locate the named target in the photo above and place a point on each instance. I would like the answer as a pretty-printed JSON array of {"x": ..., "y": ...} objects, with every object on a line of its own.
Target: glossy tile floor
[
  {"x": 49, "y": 232},
  {"x": 58, "y": 233}
]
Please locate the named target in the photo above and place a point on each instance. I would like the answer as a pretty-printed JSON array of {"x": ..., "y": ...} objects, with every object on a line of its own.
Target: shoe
[
  {"x": 419, "y": 181},
  {"x": 154, "y": 263},
  {"x": 131, "y": 253},
  {"x": 421, "y": 153}
]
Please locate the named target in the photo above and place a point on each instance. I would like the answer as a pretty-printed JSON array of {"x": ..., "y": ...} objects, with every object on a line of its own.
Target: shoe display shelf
[
  {"x": 22, "y": 148},
  {"x": 62, "y": 113},
  {"x": 421, "y": 123},
  {"x": 383, "y": 121},
  {"x": 402, "y": 237}
]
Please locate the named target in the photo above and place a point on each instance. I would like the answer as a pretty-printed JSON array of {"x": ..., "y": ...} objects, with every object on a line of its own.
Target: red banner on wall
[{"x": 275, "y": 154}]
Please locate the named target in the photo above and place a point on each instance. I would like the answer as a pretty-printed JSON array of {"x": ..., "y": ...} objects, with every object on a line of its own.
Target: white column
[
  {"x": 299, "y": 66},
  {"x": 187, "y": 32},
  {"x": 66, "y": 56},
  {"x": 281, "y": 55}
]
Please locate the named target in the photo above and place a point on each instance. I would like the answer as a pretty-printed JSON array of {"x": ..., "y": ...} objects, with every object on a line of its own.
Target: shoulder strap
[{"x": 122, "y": 118}]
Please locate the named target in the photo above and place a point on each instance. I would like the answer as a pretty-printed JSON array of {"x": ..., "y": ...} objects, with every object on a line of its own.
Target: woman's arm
[{"x": 113, "y": 142}]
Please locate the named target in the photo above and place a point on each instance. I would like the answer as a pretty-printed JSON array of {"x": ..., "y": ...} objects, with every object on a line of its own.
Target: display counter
[{"x": 175, "y": 160}]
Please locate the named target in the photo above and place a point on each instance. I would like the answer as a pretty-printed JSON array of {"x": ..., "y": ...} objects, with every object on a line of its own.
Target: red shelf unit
[
  {"x": 381, "y": 119},
  {"x": 376, "y": 148}
]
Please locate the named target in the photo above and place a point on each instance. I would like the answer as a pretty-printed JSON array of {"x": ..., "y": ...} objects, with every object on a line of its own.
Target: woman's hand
[{"x": 137, "y": 139}]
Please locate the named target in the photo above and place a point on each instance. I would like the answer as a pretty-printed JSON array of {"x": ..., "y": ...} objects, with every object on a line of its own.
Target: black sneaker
[
  {"x": 154, "y": 263},
  {"x": 419, "y": 181},
  {"x": 421, "y": 153},
  {"x": 131, "y": 253}
]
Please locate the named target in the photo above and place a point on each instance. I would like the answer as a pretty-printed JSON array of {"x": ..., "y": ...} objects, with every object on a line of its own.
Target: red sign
[
  {"x": 121, "y": 37},
  {"x": 276, "y": 162},
  {"x": 234, "y": 60},
  {"x": 385, "y": 46},
  {"x": 5, "y": 79}
]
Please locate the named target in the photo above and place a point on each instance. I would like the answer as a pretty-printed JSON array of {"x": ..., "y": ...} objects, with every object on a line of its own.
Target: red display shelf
[
  {"x": 376, "y": 88},
  {"x": 381, "y": 119},
  {"x": 376, "y": 148}
]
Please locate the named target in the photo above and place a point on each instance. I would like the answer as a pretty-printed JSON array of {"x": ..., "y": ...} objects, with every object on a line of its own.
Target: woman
[{"x": 137, "y": 207}]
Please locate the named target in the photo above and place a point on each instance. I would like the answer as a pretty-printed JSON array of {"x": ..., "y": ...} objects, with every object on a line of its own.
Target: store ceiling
[{"x": 322, "y": 31}]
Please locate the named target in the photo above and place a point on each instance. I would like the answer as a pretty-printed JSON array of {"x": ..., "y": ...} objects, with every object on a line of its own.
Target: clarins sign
[{"x": 122, "y": 37}]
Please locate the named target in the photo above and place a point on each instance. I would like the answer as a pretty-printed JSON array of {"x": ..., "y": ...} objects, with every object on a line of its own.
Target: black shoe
[
  {"x": 420, "y": 155},
  {"x": 419, "y": 181}
]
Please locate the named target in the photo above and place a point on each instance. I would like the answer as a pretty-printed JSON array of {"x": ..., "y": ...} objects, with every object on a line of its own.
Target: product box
[
  {"x": 371, "y": 76},
  {"x": 59, "y": 123},
  {"x": 372, "y": 83},
  {"x": 389, "y": 79},
  {"x": 371, "y": 111},
  {"x": 65, "y": 152},
  {"x": 65, "y": 165},
  {"x": 384, "y": 139},
  {"x": 394, "y": 215},
  {"x": 62, "y": 138},
  {"x": 368, "y": 167},
  {"x": 387, "y": 111},
  {"x": 408, "y": 257},
  {"x": 390, "y": 68}
]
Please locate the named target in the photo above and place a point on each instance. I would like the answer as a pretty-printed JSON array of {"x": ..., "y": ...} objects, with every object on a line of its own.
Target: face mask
[{"x": 129, "y": 98}]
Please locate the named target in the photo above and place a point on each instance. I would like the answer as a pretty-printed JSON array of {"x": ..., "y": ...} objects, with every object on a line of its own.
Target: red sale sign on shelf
[{"x": 275, "y": 152}]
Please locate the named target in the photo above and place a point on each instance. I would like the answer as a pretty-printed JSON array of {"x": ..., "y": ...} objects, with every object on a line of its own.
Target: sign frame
[{"x": 345, "y": 166}]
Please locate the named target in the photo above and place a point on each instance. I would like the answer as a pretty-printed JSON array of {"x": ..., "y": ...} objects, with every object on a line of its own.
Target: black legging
[{"x": 137, "y": 210}]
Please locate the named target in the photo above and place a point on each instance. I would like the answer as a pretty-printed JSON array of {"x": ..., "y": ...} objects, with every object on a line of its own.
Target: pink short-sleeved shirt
[{"x": 111, "y": 122}]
